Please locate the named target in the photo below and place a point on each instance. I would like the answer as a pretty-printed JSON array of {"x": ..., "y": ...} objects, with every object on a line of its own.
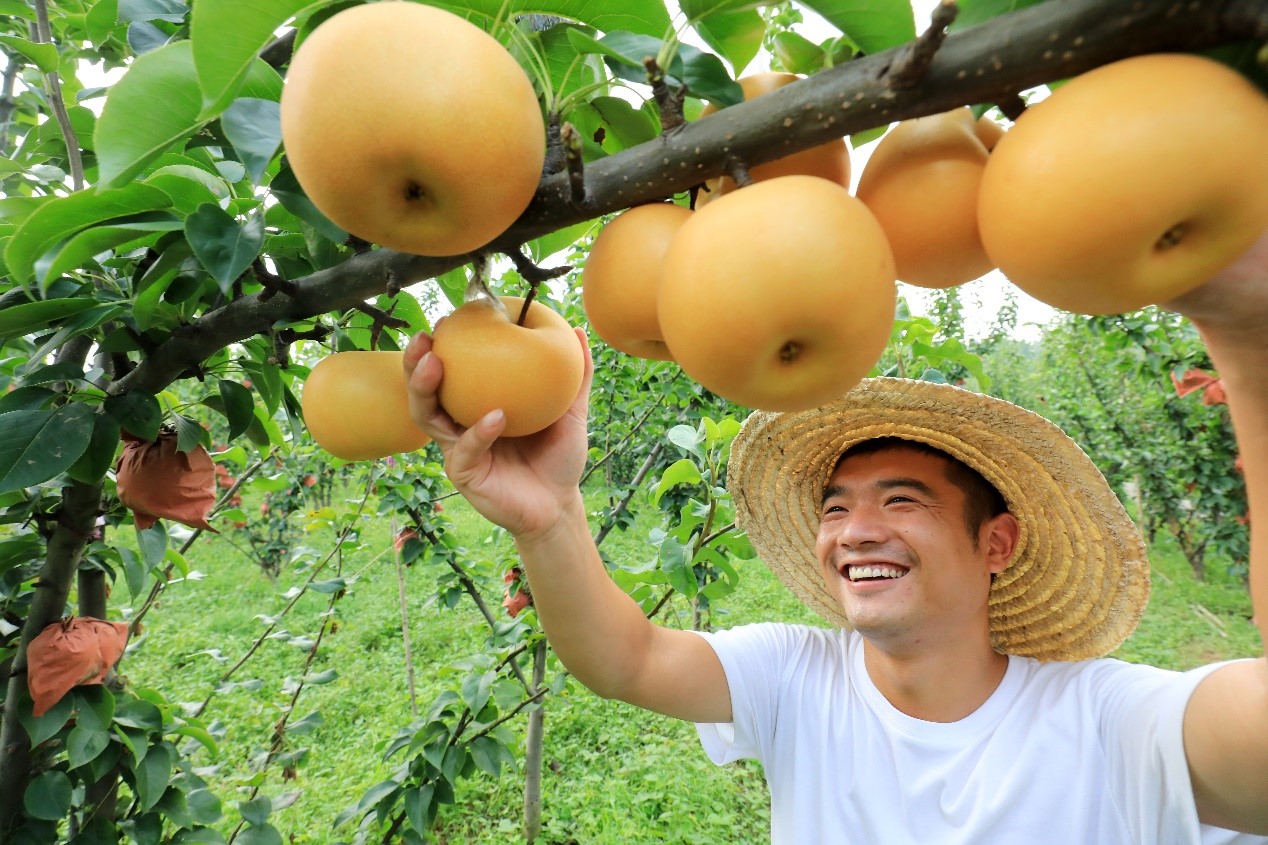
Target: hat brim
[{"x": 1079, "y": 579}]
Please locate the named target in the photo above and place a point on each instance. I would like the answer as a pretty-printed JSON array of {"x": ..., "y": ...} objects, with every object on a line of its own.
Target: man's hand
[
  {"x": 523, "y": 484},
  {"x": 1235, "y": 301}
]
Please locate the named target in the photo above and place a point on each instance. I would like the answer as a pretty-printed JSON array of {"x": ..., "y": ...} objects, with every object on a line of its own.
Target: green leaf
[
  {"x": 134, "y": 571},
  {"x": 675, "y": 562},
  {"x": 48, "y": 796},
  {"x": 225, "y": 247},
  {"x": 132, "y": 131},
  {"x": 173, "y": 11},
  {"x": 476, "y": 690},
  {"x": 41, "y": 728},
  {"x": 267, "y": 378},
  {"x": 138, "y": 413},
  {"x": 83, "y": 745},
  {"x": 974, "y": 12},
  {"x": 703, "y": 73},
  {"x": 238, "y": 406},
  {"x": 630, "y": 125},
  {"x": 59, "y": 219},
  {"x": 680, "y": 472},
  {"x": 452, "y": 285},
  {"x": 254, "y": 128},
  {"x": 138, "y": 713},
  {"x": 559, "y": 240},
  {"x": 735, "y": 33},
  {"x": 488, "y": 754},
  {"x": 42, "y": 55},
  {"x": 648, "y": 17},
  {"x": 687, "y": 437},
  {"x": 420, "y": 806},
  {"x": 198, "y": 836},
  {"x": 102, "y": 20},
  {"x": 227, "y": 35},
  {"x": 84, "y": 246},
  {"x": 152, "y": 543},
  {"x": 153, "y": 774},
  {"x": 204, "y": 806},
  {"x": 874, "y": 25},
  {"x": 798, "y": 54},
  {"x": 94, "y": 706},
  {"x": 257, "y": 810},
  {"x": 30, "y": 317},
  {"x": 37, "y": 445},
  {"x": 188, "y": 186},
  {"x": 189, "y": 434},
  {"x": 285, "y": 187}
]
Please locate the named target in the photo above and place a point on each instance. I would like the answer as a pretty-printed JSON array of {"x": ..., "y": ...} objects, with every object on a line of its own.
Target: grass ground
[{"x": 614, "y": 774}]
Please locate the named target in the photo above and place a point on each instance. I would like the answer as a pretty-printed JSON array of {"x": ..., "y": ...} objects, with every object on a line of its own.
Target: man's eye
[{"x": 900, "y": 499}]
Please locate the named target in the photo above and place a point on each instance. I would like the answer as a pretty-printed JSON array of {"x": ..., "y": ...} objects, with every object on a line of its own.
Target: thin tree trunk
[
  {"x": 533, "y": 742},
  {"x": 101, "y": 797},
  {"x": 78, "y": 517}
]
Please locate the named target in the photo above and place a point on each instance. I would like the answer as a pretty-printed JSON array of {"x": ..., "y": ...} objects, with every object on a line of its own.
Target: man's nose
[{"x": 863, "y": 525}]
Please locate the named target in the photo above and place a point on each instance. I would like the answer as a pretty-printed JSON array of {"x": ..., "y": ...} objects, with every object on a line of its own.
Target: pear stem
[{"x": 912, "y": 65}]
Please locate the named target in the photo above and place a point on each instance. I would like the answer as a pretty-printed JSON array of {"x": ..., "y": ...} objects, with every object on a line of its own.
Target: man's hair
[{"x": 982, "y": 500}]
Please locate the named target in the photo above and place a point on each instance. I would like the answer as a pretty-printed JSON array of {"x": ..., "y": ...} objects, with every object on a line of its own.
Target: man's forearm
[
  {"x": 1241, "y": 358},
  {"x": 598, "y": 631}
]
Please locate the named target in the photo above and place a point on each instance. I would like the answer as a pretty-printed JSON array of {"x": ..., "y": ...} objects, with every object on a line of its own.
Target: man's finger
[
  {"x": 465, "y": 460},
  {"x": 422, "y": 383}
]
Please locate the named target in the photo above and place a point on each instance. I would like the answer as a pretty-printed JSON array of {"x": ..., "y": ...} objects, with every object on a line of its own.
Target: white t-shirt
[{"x": 1069, "y": 753}]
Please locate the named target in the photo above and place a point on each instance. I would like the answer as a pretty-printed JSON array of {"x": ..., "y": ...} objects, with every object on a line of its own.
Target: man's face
[{"x": 896, "y": 553}]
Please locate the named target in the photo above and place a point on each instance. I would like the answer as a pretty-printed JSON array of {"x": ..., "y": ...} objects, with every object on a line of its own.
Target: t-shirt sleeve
[
  {"x": 753, "y": 657},
  {"x": 1143, "y": 718}
]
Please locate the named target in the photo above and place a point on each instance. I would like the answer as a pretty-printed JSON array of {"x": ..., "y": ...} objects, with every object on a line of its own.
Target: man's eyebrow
[
  {"x": 910, "y": 483},
  {"x": 834, "y": 490}
]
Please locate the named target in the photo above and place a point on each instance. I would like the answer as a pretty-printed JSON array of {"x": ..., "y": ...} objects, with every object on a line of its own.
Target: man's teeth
[{"x": 858, "y": 573}]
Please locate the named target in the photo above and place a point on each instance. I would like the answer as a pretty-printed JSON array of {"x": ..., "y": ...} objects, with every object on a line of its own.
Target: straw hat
[{"x": 1079, "y": 579}]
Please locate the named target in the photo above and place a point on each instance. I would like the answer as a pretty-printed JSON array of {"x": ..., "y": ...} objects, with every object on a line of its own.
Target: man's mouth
[{"x": 873, "y": 572}]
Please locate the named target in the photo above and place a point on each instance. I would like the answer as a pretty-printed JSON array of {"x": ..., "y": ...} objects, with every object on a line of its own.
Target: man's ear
[{"x": 1000, "y": 535}]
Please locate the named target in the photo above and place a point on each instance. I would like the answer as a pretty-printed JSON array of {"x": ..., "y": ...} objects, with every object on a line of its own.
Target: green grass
[{"x": 614, "y": 774}]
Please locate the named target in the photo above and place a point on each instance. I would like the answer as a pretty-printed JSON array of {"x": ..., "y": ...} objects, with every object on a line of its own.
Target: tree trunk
[
  {"x": 101, "y": 798},
  {"x": 533, "y": 743},
  {"x": 74, "y": 527}
]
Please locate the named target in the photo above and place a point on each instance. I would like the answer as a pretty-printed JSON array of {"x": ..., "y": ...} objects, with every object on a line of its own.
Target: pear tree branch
[{"x": 988, "y": 63}]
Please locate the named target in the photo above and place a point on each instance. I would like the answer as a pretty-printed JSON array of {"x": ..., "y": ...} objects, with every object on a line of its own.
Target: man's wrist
[{"x": 572, "y": 513}]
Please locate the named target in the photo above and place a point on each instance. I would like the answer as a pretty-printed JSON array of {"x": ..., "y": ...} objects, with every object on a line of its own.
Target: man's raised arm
[
  {"x": 529, "y": 486},
  {"x": 1226, "y": 724}
]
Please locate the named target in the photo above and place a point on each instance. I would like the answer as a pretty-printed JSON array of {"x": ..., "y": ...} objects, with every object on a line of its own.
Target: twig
[
  {"x": 1211, "y": 618},
  {"x": 273, "y": 283},
  {"x": 409, "y": 652},
  {"x": 299, "y": 594},
  {"x": 668, "y": 101},
  {"x": 283, "y": 339},
  {"x": 1011, "y": 107},
  {"x": 381, "y": 318},
  {"x": 738, "y": 171},
  {"x": 134, "y": 624},
  {"x": 555, "y": 161},
  {"x": 531, "y": 272},
  {"x": 44, "y": 35},
  {"x": 913, "y": 63},
  {"x": 575, "y": 164}
]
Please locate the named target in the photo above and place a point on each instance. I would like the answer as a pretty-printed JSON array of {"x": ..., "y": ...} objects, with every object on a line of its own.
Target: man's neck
[{"x": 943, "y": 684}]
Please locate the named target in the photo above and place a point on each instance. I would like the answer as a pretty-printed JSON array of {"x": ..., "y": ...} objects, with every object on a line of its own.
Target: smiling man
[{"x": 974, "y": 568}]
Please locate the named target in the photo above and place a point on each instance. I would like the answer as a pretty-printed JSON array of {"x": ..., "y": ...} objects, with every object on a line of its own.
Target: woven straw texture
[{"x": 1079, "y": 580}]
